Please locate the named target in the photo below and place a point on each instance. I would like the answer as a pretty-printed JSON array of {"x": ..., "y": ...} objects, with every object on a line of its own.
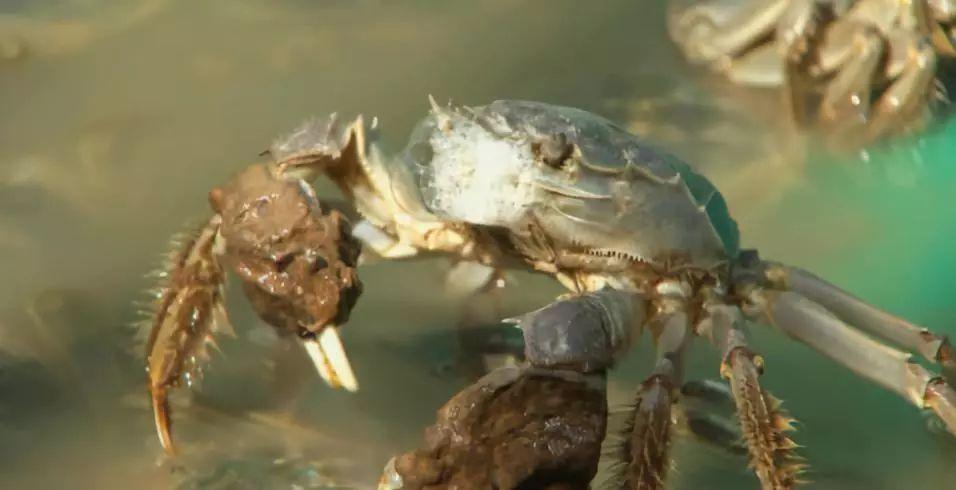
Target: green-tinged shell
[
  {"x": 586, "y": 181},
  {"x": 606, "y": 147}
]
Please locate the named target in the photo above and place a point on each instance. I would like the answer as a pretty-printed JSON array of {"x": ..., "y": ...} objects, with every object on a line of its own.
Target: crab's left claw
[
  {"x": 297, "y": 260},
  {"x": 187, "y": 311}
]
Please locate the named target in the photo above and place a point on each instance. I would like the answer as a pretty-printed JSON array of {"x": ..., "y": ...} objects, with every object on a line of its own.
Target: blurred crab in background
[
  {"x": 645, "y": 246},
  {"x": 861, "y": 70}
]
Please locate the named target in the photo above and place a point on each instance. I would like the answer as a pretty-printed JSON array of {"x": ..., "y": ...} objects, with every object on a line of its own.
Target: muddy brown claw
[
  {"x": 296, "y": 261},
  {"x": 514, "y": 428}
]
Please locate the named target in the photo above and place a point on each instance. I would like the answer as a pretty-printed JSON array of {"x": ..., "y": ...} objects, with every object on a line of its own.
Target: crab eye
[
  {"x": 319, "y": 264},
  {"x": 283, "y": 262},
  {"x": 553, "y": 150}
]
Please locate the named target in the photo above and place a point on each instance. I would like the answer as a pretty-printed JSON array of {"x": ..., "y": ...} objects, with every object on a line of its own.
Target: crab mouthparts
[{"x": 328, "y": 356}]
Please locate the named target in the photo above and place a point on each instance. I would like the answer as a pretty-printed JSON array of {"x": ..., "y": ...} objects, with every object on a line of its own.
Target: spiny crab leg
[
  {"x": 331, "y": 362},
  {"x": 817, "y": 327},
  {"x": 187, "y": 311},
  {"x": 762, "y": 421},
  {"x": 646, "y": 448}
]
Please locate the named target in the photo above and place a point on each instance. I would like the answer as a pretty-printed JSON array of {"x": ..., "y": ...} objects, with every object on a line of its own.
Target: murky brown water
[{"x": 116, "y": 118}]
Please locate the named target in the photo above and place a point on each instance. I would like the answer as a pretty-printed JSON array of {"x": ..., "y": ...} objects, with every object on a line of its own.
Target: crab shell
[{"x": 590, "y": 186}]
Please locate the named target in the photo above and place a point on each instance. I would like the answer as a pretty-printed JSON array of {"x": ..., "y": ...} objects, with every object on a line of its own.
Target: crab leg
[
  {"x": 480, "y": 287},
  {"x": 762, "y": 421},
  {"x": 649, "y": 429},
  {"x": 936, "y": 17},
  {"x": 847, "y": 100},
  {"x": 903, "y": 102},
  {"x": 847, "y": 97},
  {"x": 813, "y": 325},
  {"x": 800, "y": 33},
  {"x": 702, "y": 407},
  {"x": 854, "y": 311},
  {"x": 797, "y": 34},
  {"x": 188, "y": 310},
  {"x": 714, "y": 39}
]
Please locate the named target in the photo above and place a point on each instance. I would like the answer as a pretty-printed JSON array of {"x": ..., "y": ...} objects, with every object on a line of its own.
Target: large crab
[
  {"x": 865, "y": 68},
  {"x": 645, "y": 245}
]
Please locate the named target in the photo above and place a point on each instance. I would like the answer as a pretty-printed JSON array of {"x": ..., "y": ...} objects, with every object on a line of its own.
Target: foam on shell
[{"x": 478, "y": 177}]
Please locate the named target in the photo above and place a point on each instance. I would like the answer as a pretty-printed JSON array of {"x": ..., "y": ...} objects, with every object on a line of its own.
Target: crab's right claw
[
  {"x": 328, "y": 355},
  {"x": 502, "y": 431},
  {"x": 188, "y": 309}
]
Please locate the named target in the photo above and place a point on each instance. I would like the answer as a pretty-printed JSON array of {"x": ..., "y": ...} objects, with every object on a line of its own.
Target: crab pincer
[{"x": 296, "y": 262}]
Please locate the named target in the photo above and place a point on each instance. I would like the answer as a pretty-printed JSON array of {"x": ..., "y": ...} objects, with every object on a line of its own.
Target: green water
[{"x": 117, "y": 117}]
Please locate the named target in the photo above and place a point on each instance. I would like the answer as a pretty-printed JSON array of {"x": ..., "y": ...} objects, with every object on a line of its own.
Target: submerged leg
[
  {"x": 187, "y": 311},
  {"x": 715, "y": 34},
  {"x": 800, "y": 33},
  {"x": 762, "y": 421},
  {"x": 817, "y": 327},
  {"x": 904, "y": 104},
  {"x": 483, "y": 342},
  {"x": 537, "y": 427},
  {"x": 706, "y": 408},
  {"x": 856, "y": 312},
  {"x": 644, "y": 455},
  {"x": 847, "y": 98}
]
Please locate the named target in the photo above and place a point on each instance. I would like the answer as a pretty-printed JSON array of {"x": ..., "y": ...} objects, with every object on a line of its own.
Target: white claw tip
[
  {"x": 390, "y": 480},
  {"x": 328, "y": 355}
]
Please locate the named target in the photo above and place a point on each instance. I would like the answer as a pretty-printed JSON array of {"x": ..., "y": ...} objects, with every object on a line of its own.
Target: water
[{"x": 116, "y": 118}]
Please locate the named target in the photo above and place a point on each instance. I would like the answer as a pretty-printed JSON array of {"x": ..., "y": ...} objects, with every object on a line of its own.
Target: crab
[
  {"x": 644, "y": 245},
  {"x": 864, "y": 69}
]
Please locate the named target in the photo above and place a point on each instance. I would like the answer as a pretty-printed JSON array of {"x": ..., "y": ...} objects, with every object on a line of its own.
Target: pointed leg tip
[{"x": 162, "y": 420}]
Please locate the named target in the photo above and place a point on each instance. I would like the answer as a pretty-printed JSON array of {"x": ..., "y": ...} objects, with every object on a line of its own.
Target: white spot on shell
[{"x": 478, "y": 177}]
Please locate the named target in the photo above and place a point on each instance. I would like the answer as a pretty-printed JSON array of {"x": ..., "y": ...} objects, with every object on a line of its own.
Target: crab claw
[
  {"x": 513, "y": 428},
  {"x": 328, "y": 355}
]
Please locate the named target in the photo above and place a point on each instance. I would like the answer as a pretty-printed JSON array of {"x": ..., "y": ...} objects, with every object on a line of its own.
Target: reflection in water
[
  {"x": 268, "y": 470},
  {"x": 119, "y": 116}
]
